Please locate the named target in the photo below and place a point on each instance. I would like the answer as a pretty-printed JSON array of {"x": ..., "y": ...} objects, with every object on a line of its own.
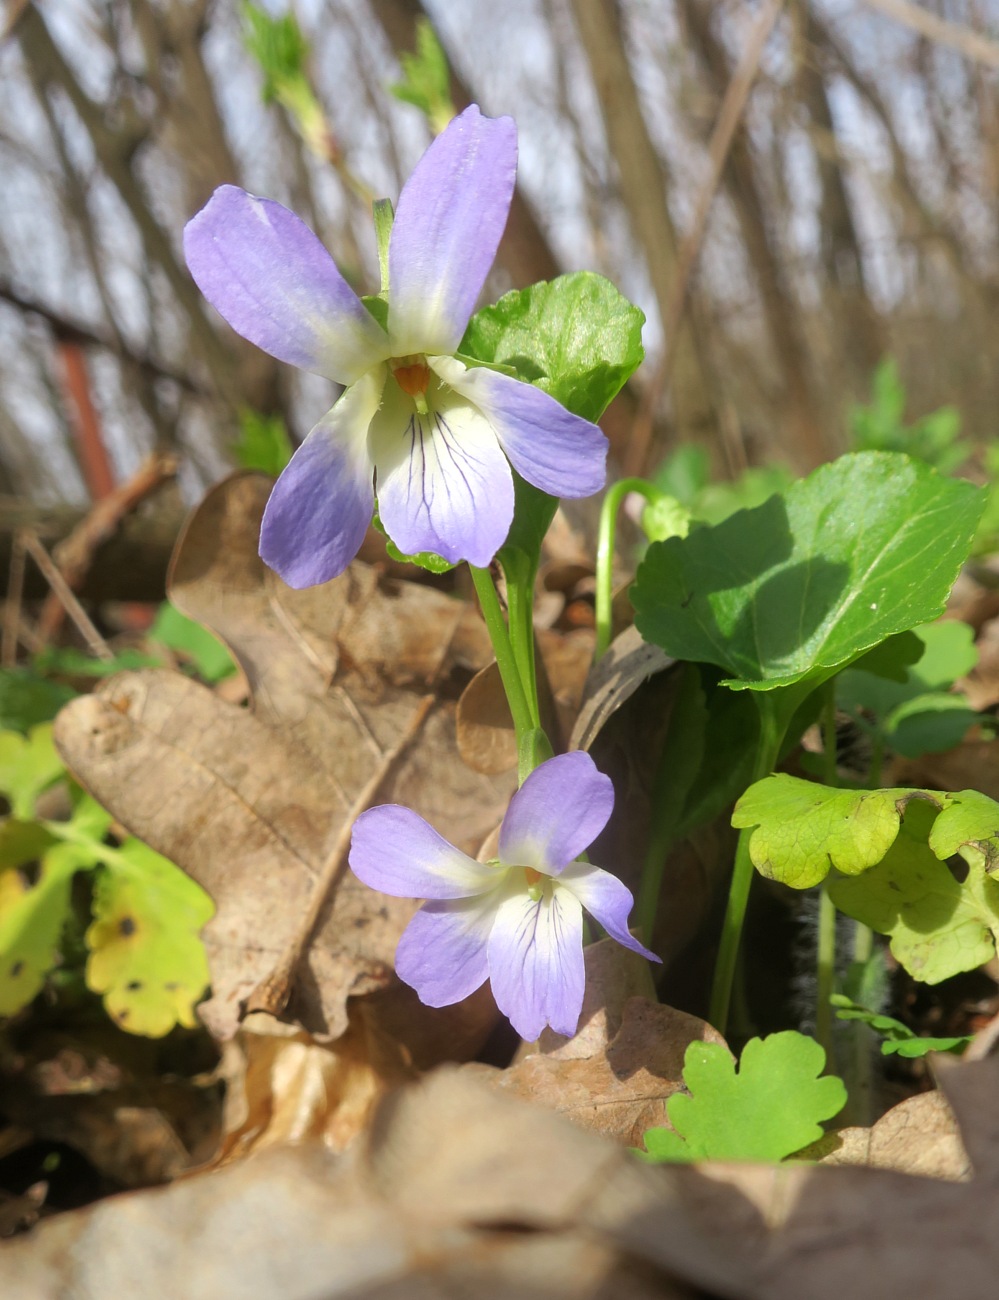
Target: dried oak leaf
[
  {"x": 456, "y": 1192},
  {"x": 257, "y": 806},
  {"x": 616, "y": 1074},
  {"x": 918, "y": 1136}
]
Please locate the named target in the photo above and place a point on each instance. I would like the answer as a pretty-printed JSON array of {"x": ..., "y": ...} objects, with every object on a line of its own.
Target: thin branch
[
  {"x": 95, "y": 642},
  {"x": 729, "y": 115},
  {"x": 967, "y": 42}
]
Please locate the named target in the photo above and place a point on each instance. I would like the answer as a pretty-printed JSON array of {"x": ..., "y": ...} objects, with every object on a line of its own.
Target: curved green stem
[
  {"x": 767, "y": 751},
  {"x": 520, "y": 612},
  {"x": 524, "y": 723},
  {"x": 605, "y": 551}
]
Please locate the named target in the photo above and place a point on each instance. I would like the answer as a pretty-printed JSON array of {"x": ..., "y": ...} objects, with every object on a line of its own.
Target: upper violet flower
[
  {"x": 517, "y": 922},
  {"x": 435, "y": 435}
]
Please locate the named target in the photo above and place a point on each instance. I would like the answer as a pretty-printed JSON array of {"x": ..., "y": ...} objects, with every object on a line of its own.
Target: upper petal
[
  {"x": 395, "y": 851},
  {"x": 322, "y": 504},
  {"x": 448, "y": 225},
  {"x": 442, "y": 953},
  {"x": 536, "y": 961},
  {"x": 264, "y": 270},
  {"x": 607, "y": 899},
  {"x": 557, "y": 451},
  {"x": 556, "y": 814},
  {"x": 444, "y": 485}
]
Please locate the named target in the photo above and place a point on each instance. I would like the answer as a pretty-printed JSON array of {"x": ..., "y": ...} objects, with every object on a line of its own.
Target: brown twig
[
  {"x": 973, "y": 46},
  {"x": 12, "y": 605},
  {"x": 75, "y": 553},
  {"x": 50, "y": 571},
  {"x": 272, "y": 993},
  {"x": 729, "y": 116}
]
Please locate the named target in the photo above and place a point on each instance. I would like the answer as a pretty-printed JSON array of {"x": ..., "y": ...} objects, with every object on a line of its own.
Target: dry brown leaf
[
  {"x": 616, "y": 1074},
  {"x": 427, "y": 1209},
  {"x": 257, "y": 806},
  {"x": 918, "y": 1136},
  {"x": 628, "y": 663},
  {"x": 282, "y": 1086}
]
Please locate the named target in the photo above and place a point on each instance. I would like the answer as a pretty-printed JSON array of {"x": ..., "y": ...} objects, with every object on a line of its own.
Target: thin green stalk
[
  {"x": 825, "y": 950},
  {"x": 605, "y": 551},
  {"x": 767, "y": 751},
  {"x": 499, "y": 634},
  {"x": 520, "y": 611},
  {"x": 825, "y": 971}
]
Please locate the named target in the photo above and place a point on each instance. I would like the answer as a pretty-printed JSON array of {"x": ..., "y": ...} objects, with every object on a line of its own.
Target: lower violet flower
[{"x": 517, "y": 922}]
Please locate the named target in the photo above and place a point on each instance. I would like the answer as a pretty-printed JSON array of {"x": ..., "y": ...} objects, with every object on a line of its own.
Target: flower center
[
  {"x": 413, "y": 377},
  {"x": 536, "y": 881}
]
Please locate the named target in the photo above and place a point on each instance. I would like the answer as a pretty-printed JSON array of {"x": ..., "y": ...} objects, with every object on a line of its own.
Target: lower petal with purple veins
[
  {"x": 607, "y": 900},
  {"x": 558, "y": 452},
  {"x": 444, "y": 485},
  {"x": 442, "y": 953},
  {"x": 322, "y": 504},
  {"x": 536, "y": 960}
]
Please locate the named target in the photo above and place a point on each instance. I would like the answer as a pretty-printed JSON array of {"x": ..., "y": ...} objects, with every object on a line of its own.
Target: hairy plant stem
[
  {"x": 530, "y": 740},
  {"x": 772, "y": 729},
  {"x": 605, "y": 552}
]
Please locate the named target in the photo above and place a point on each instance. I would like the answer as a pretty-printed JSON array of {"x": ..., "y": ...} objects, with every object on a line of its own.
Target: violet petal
[
  {"x": 448, "y": 223},
  {"x": 556, "y": 814},
  {"x": 607, "y": 899},
  {"x": 442, "y": 953},
  {"x": 558, "y": 452},
  {"x": 536, "y": 961},
  {"x": 263, "y": 269},
  {"x": 444, "y": 485},
  {"x": 322, "y": 504},
  {"x": 394, "y": 850}
]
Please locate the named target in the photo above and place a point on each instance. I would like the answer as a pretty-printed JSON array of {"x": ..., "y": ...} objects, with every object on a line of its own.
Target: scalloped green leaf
[
  {"x": 32, "y": 918},
  {"x": 863, "y": 549},
  {"x": 767, "y": 1110},
  {"x": 28, "y": 764},
  {"x": 146, "y": 957},
  {"x": 804, "y": 829},
  {"x": 937, "y": 925}
]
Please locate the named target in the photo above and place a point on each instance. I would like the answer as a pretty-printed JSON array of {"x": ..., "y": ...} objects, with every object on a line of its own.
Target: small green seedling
[{"x": 768, "y": 1109}]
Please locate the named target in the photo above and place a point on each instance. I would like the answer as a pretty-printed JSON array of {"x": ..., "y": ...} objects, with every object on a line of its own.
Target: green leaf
[
  {"x": 771, "y": 1108},
  {"x": 861, "y": 550},
  {"x": 938, "y": 926},
  {"x": 77, "y": 663},
  {"x": 426, "y": 79},
  {"x": 32, "y": 918},
  {"x": 27, "y": 698},
  {"x": 900, "y": 1040},
  {"x": 575, "y": 337},
  {"x": 181, "y": 634},
  {"x": 915, "y": 714},
  {"x": 263, "y": 443},
  {"x": 28, "y": 765},
  {"x": 278, "y": 46},
  {"x": 665, "y": 517},
  {"x": 422, "y": 559},
  {"x": 145, "y": 954},
  {"x": 803, "y": 829}
]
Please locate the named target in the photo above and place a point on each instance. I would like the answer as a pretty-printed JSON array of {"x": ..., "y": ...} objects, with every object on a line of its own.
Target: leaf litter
[{"x": 366, "y": 1181}]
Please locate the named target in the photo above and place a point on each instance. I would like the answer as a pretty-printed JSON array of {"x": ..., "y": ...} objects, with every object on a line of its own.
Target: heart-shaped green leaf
[{"x": 861, "y": 550}]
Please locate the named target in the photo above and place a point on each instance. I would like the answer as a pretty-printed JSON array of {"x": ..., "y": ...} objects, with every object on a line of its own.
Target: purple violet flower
[
  {"x": 517, "y": 922},
  {"x": 434, "y": 434}
]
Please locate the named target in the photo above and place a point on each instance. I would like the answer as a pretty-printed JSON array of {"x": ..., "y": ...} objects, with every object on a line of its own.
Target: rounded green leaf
[
  {"x": 861, "y": 550},
  {"x": 804, "y": 829}
]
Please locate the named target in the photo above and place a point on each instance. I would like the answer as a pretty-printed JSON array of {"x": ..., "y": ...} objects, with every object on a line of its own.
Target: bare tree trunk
[
  {"x": 644, "y": 187},
  {"x": 859, "y": 336},
  {"x": 781, "y": 310}
]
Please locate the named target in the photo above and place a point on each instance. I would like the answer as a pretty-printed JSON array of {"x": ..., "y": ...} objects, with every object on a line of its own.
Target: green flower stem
[
  {"x": 520, "y": 612},
  {"x": 605, "y": 551},
  {"x": 767, "y": 751},
  {"x": 517, "y": 697},
  {"x": 825, "y": 952}
]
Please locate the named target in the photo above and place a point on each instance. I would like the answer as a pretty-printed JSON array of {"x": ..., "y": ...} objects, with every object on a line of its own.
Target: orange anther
[{"x": 413, "y": 379}]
